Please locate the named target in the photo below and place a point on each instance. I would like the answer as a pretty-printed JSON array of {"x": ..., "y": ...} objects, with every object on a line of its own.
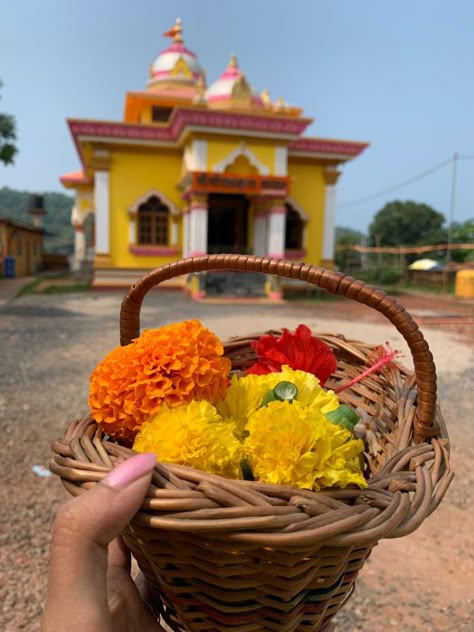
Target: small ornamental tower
[
  {"x": 176, "y": 68},
  {"x": 36, "y": 210},
  {"x": 233, "y": 91}
]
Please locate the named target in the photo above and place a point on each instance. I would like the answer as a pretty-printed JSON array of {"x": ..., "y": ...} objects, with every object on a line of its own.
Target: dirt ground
[{"x": 50, "y": 344}]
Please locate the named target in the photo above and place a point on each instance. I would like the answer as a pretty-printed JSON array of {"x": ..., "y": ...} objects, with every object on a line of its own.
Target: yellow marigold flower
[
  {"x": 174, "y": 364},
  {"x": 310, "y": 391},
  {"x": 290, "y": 444},
  {"x": 246, "y": 393},
  {"x": 243, "y": 397},
  {"x": 195, "y": 435}
]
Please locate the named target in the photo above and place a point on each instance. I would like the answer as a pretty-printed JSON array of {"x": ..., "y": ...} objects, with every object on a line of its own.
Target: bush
[
  {"x": 380, "y": 276},
  {"x": 387, "y": 276}
]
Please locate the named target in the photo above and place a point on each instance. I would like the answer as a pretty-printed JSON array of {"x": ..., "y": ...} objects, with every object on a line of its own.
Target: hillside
[{"x": 57, "y": 221}]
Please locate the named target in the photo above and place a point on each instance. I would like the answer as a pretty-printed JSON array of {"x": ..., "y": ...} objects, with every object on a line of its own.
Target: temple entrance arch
[
  {"x": 293, "y": 229},
  {"x": 227, "y": 224}
]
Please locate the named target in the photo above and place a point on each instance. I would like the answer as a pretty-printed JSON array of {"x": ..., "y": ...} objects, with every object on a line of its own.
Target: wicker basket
[{"x": 223, "y": 554}]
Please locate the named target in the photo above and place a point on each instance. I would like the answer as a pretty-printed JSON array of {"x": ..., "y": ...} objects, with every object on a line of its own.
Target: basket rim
[{"x": 382, "y": 510}]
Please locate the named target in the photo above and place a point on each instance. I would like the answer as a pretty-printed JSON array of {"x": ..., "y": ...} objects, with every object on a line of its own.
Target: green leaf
[
  {"x": 283, "y": 392},
  {"x": 343, "y": 416},
  {"x": 246, "y": 470},
  {"x": 286, "y": 391}
]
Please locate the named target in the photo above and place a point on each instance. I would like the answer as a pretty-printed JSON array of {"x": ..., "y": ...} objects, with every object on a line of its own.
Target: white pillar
[
  {"x": 77, "y": 220},
  {"x": 276, "y": 231},
  {"x": 280, "y": 167},
  {"x": 260, "y": 239},
  {"x": 198, "y": 227},
  {"x": 102, "y": 213},
  {"x": 329, "y": 220},
  {"x": 79, "y": 247},
  {"x": 260, "y": 234},
  {"x": 199, "y": 153},
  {"x": 185, "y": 249}
]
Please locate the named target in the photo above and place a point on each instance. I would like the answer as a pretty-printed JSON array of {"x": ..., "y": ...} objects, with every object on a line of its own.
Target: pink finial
[{"x": 232, "y": 71}]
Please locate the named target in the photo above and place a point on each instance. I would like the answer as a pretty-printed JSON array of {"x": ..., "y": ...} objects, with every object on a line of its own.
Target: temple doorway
[{"x": 227, "y": 227}]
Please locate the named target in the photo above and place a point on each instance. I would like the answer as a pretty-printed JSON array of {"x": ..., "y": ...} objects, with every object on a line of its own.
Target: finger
[
  {"x": 122, "y": 591},
  {"x": 119, "y": 556},
  {"x": 81, "y": 533}
]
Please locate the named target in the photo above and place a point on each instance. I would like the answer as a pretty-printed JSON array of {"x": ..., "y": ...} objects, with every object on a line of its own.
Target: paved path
[{"x": 9, "y": 288}]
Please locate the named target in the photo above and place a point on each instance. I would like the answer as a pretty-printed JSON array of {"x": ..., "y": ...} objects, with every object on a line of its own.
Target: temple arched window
[
  {"x": 153, "y": 223},
  {"x": 294, "y": 229}
]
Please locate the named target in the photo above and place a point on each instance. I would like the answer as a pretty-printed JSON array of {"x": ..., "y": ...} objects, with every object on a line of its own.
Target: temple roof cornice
[
  {"x": 188, "y": 120},
  {"x": 310, "y": 147}
]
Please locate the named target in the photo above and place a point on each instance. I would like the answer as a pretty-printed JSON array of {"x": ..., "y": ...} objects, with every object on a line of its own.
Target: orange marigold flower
[{"x": 174, "y": 364}]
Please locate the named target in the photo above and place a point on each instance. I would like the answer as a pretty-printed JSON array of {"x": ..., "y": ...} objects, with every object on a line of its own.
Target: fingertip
[{"x": 130, "y": 470}]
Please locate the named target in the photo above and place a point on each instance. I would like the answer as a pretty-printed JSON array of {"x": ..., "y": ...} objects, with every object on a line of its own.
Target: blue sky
[{"x": 396, "y": 74}]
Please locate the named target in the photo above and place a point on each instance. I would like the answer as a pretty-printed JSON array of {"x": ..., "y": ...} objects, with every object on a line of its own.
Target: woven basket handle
[{"x": 334, "y": 282}]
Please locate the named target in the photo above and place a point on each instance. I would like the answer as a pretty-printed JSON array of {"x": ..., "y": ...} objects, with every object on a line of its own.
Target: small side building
[{"x": 21, "y": 248}]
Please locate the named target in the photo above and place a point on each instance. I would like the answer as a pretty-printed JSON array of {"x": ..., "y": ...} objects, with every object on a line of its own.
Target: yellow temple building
[{"x": 196, "y": 169}]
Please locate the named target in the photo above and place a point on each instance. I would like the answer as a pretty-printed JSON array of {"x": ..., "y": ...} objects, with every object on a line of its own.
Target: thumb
[
  {"x": 100, "y": 514},
  {"x": 82, "y": 530}
]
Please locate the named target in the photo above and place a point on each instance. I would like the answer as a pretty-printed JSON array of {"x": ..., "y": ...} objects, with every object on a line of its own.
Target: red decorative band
[
  {"x": 154, "y": 251},
  {"x": 327, "y": 146},
  {"x": 198, "y": 295},
  {"x": 275, "y": 296},
  {"x": 259, "y": 200},
  {"x": 295, "y": 254},
  {"x": 313, "y": 602}
]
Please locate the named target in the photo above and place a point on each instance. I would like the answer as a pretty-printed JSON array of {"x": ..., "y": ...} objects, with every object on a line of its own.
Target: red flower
[{"x": 299, "y": 350}]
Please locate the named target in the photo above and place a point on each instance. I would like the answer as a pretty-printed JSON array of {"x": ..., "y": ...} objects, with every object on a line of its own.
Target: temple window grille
[{"x": 153, "y": 222}]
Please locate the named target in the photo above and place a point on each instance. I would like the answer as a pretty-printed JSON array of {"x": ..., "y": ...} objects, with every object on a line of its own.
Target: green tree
[
  {"x": 463, "y": 233},
  {"x": 406, "y": 224},
  {"x": 346, "y": 259},
  {"x": 8, "y": 148}
]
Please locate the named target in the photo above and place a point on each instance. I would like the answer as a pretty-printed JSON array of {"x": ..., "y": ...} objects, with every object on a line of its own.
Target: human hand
[{"x": 90, "y": 587}]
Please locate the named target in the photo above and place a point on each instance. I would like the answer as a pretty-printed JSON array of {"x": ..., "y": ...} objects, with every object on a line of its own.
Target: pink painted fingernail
[{"x": 130, "y": 470}]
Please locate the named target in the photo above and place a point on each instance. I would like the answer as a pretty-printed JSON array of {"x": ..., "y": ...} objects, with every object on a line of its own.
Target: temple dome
[
  {"x": 232, "y": 89},
  {"x": 176, "y": 65}
]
